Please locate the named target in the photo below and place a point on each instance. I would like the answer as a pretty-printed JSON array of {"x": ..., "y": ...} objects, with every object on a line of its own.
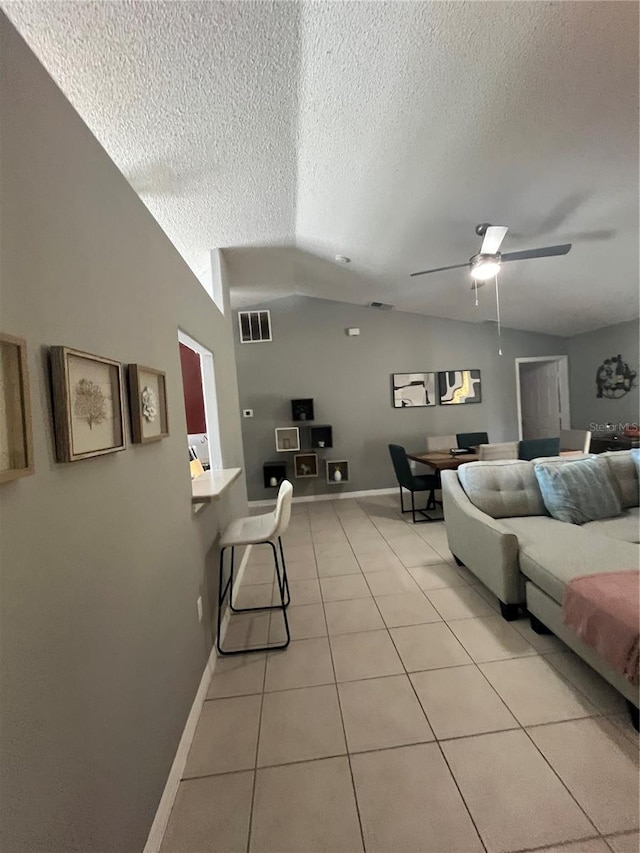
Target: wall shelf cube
[
  {"x": 287, "y": 439},
  {"x": 273, "y": 474},
  {"x": 321, "y": 436},
  {"x": 302, "y": 410},
  {"x": 337, "y": 471},
  {"x": 305, "y": 465}
]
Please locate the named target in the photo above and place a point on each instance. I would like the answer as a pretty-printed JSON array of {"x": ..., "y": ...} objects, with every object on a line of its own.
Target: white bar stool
[{"x": 258, "y": 530}]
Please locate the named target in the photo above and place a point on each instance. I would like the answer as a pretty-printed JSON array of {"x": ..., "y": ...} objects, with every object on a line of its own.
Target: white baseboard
[
  {"x": 329, "y": 497},
  {"x": 163, "y": 812}
]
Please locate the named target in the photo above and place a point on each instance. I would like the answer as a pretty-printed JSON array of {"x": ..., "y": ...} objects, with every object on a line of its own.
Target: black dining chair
[
  {"x": 534, "y": 447},
  {"x": 471, "y": 439},
  {"x": 413, "y": 483}
]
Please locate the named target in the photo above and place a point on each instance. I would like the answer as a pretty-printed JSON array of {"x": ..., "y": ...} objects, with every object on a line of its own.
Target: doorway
[
  {"x": 201, "y": 407},
  {"x": 542, "y": 391}
]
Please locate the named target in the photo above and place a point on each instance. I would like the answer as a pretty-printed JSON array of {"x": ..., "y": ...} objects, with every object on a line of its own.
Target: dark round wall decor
[{"x": 614, "y": 378}]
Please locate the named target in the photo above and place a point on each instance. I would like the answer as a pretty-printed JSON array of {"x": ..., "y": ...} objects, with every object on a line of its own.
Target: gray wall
[
  {"x": 350, "y": 381},
  {"x": 101, "y": 561},
  {"x": 586, "y": 354}
]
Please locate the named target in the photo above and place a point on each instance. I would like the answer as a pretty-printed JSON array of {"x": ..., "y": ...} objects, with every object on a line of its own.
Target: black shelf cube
[
  {"x": 277, "y": 470},
  {"x": 321, "y": 436},
  {"x": 302, "y": 410}
]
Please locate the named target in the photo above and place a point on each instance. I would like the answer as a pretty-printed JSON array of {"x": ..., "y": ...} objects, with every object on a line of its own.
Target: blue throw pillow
[{"x": 578, "y": 491}]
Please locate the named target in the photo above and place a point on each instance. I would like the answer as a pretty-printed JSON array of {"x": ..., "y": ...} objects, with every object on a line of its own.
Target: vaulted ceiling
[{"x": 288, "y": 133}]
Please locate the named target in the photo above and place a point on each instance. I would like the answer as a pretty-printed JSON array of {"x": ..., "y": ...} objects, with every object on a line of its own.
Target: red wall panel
[{"x": 193, "y": 397}]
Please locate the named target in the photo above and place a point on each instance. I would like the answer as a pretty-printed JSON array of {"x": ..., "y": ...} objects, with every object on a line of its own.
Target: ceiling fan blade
[
  {"x": 493, "y": 239},
  {"x": 441, "y": 269},
  {"x": 546, "y": 252}
]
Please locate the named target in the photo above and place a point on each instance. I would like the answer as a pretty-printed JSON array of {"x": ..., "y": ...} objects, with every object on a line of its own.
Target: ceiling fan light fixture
[{"x": 484, "y": 268}]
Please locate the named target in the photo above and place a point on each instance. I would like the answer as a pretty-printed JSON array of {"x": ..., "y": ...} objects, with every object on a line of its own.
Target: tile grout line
[
  {"x": 255, "y": 765},
  {"x": 562, "y": 844},
  {"x": 521, "y": 727},
  {"x": 436, "y": 740},
  {"x": 344, "y": 730},
  {"x": 561, "y": 780},
  {"x": 426, "y": 716}
]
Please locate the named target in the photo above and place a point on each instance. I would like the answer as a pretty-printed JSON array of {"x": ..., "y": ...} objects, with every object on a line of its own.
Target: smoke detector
[{"x": 343, "y": 259}]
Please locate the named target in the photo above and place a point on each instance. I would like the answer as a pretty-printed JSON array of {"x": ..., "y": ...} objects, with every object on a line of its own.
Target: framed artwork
[
  {"x": 414, "y": 389},
  {"x": 305, "y": 465},
  {"x": 302, "y": 410},
  {"x": 148, "y": 403},
  {"x": 87, "y": 404},
  {"x": 614, "y": 378},
  {"x": 459, "y": 386},
  {"x": 16, "y": 443}
]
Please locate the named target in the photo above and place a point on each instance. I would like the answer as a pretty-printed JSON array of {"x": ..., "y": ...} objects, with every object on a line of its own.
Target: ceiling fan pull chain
[{"x": 498, "y": 316}]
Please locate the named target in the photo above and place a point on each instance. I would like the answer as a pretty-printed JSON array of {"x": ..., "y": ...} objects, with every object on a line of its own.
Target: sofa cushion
[
  {"x": 625, "y": 526},
  {"x": 504, "y": 450},
  {"x": 502, "y": 488},
  {"x": 623, "y": 465},
  {"x": 551, "y": 553},
  {"x": 578, "y": 491},
  {"x": 560, "y": 460}
]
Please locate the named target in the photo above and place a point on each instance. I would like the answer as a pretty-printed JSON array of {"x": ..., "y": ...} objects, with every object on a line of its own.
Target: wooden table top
[{"x": 443, "y": 460}]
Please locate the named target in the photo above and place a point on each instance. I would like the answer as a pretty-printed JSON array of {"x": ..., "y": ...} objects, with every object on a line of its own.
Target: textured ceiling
[{"x": 291, "y": 132}]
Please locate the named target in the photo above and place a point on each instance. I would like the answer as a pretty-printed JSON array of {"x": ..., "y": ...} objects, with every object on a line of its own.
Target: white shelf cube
[{"x": 287, "y": 439}]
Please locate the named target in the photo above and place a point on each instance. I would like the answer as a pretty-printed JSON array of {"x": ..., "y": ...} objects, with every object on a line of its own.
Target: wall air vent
[
  {"x": 255, "y": 326},
  {"x": 381, "y": 306}
]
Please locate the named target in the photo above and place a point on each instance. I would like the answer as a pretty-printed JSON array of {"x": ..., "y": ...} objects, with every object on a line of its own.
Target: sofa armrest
[{"x": 484, "y": 545}]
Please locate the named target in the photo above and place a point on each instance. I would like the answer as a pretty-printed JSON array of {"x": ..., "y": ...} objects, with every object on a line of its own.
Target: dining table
[{"x": 442, "y": 460}]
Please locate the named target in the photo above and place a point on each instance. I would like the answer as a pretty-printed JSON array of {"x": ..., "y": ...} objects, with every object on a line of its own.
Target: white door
[{"x": 540, "y": 399}]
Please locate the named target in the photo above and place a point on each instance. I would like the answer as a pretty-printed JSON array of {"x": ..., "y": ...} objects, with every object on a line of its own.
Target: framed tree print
[{"x": 87, "y": 404}]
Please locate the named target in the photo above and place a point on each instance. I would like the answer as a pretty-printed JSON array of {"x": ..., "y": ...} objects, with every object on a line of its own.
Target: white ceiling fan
[{"x": 487, "y": 263}]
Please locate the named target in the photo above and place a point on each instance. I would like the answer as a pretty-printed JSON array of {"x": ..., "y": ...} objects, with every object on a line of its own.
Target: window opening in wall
[{"x": 200, "y": 402}]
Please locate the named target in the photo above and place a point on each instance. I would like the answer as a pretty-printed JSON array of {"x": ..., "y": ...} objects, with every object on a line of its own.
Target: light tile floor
[{"x": 406, "y": 716}]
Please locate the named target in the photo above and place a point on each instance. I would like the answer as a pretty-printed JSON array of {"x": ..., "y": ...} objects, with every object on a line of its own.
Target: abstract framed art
[
  {"x": 148, "y": 403},
  {"x": 88, "y": 405},
  {"x": 16, "y": 445},
  {"x": 459, "y": 386},
  {"x": 413, "y": 389}
]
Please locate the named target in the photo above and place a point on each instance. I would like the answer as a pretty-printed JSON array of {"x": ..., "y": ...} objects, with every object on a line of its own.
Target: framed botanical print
[
  {"x": 87, "y": 404},
  {"x": 148, "y": 403},
  {"x": 16, "y": 444}
]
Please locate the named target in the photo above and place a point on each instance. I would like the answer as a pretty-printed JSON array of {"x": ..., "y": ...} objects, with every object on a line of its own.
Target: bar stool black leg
[
  {"x": 283, "y": 588},
  {"x": 284, "y": 572},
  {"x": 282, "y": 584}
]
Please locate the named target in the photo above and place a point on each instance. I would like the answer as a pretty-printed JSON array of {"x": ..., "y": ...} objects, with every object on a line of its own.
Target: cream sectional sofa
[{"x": 498, "y": 527}]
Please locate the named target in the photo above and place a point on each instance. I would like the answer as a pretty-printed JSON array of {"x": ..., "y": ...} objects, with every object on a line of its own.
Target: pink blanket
[{"x": 603, "y": 611}]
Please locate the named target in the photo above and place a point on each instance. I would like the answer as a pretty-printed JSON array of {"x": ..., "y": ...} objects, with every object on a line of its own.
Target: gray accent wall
[
  {"x": 349, "y": 379},
  {"x": 101, "y": 561},
  {"x": 586, "y": 353}
]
